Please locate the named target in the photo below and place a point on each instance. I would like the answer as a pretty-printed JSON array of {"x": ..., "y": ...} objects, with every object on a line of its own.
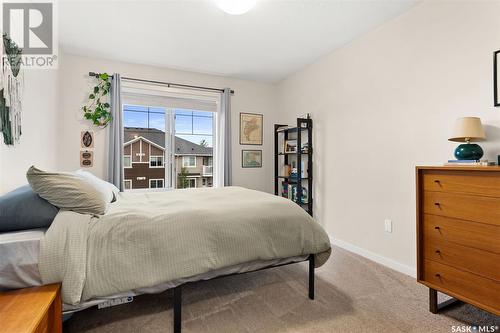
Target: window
[
  {"x": 169, "y": 139},
  {"x": 156, "y": 161},
  {"x": 191, "y": 183},
  {"x": 188, "y": 161},
  {"x": 204, "y": 182},
  {"x": 156, "y": 183},
  {"x": 127, "y": 161},
  {"x": 127, "y": 183},
  {"x": 207, "y": 161}
]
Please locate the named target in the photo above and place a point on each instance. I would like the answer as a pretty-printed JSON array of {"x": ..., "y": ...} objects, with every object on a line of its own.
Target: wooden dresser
[
  {"x": 458, "y": 234},
  {"x": 31, "y": 310}
]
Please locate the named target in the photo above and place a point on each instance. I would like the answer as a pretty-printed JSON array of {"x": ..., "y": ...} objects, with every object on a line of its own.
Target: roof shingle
[{"x": 182, "y": 146}]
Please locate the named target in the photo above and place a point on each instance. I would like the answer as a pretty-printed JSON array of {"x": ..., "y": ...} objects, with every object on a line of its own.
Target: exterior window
[
  {"x": 127, "y": 183},
  {"x": 156, "y": 158},
  {"x": 207, "y": 161},
  {"x": 127, "y": 161},
  {"x": 189, "y": 161},
  {"x": 156, "y": 161},
  {"x": 191, "y": 183},
  {"x": 156, "y": 183}
]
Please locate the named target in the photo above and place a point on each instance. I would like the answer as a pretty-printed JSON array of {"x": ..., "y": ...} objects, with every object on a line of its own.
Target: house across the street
[{"x": 144, "y": 160}]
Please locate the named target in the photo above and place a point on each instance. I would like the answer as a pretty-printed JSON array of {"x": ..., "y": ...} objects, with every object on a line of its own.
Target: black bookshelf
[{"x": 300, "y": 133}]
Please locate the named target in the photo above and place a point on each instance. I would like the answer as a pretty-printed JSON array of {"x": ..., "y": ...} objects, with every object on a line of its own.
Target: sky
[{"x": 190, "y": 125}]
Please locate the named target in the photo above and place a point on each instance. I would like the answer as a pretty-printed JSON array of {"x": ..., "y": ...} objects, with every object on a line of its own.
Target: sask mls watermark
[{"x": 31, "y": 27}]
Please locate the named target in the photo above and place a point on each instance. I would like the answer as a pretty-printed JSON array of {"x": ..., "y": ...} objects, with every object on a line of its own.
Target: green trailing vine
[{"x": 97, "y": 110}]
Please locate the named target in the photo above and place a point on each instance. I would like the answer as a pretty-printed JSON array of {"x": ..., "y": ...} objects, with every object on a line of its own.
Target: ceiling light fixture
[{"x": 235, "y": 7}]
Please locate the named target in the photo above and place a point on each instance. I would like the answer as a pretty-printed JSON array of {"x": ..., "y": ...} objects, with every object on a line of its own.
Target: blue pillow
[{"x": 23, "y": 209}]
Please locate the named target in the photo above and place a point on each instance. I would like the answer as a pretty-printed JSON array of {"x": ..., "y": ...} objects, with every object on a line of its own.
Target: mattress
[
  {"x": 19, "y": 259},
  {"x": 19, "y": 252}
]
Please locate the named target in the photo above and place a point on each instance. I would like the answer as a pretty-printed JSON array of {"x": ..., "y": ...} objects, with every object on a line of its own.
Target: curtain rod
[{"x": 168, "y": 84}]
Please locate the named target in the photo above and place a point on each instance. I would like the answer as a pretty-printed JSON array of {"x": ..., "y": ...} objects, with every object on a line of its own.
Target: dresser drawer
[
  {"x": 472, "y": 234},
  {"x": 473, "y": 260},
  {"x": 475, "y": 289},
  {"x": 460, "y": 206},
  {"x": 466, "y": 182}
]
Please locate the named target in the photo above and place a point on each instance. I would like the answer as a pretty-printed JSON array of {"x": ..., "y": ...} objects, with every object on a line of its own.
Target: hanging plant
[{"x": 97, "y": 110}]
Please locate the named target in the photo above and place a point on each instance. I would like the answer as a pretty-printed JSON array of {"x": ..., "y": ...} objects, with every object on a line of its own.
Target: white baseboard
[{"x": 397, "y": 266}]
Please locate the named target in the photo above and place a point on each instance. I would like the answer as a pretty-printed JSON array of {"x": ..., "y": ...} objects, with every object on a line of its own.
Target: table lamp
[{"x": 468, "y": 129}]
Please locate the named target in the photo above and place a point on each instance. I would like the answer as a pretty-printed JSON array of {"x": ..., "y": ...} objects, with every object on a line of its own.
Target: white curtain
[
  {"x": 223, "y": 141},
  {"x": 115, "y": 151}
]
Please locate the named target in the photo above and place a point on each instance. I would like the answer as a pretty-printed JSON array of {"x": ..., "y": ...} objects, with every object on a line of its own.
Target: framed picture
[
  {"x": 86, "y": 159},
  {"x": 251, "y": 128},
  {"x": 496, "y": 83},
  {"x": 251, "y": 158},
  {"x": 87, "y": 139}
]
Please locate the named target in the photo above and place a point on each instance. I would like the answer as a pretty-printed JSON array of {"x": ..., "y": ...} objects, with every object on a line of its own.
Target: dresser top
[{"x": 459, "y": 167}]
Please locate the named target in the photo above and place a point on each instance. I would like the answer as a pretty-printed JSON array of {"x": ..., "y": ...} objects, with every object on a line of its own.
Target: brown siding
[
  {"x": 156, "y": 151},
  {"x": 127, "y": 149},
  {"x": 145, "y": 150},
  {"x": 143, "y": 170},
  {"x": 135, "y": 151}
]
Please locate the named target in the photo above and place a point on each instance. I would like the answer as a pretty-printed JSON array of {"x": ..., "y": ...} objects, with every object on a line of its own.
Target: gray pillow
[
  {"x": 70, "y": 191},
  {"x": 24, "y": 209}
]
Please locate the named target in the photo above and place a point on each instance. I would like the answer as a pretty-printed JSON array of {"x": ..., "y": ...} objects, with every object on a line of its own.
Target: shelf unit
[{"x": 302, "y": 133}]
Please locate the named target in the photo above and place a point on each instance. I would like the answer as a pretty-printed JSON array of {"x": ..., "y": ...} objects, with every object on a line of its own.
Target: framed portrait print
[
  {"x": 251, "y": 128},
  {"x": 496, "y": 83},
  {"x": 251, "y": 158}
]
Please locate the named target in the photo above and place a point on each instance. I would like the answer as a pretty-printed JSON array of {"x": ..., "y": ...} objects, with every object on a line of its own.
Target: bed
[{"x": 151, "y": 242}]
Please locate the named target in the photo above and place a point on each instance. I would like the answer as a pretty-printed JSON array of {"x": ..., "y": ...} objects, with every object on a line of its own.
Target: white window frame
[
  {"x": 125, "y": 182},
  {"x": 157, "y": 156},
  {"x": 147, "y": 94},
  {"x": 189, "y": 179},
  {"x": 188, "y": 158},
  {"x": 130, "y": 165},
  {"x": 156, "y": 180}
]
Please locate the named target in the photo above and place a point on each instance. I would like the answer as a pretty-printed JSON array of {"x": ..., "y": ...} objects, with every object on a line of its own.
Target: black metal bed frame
[{"x": 178, "y": 289}]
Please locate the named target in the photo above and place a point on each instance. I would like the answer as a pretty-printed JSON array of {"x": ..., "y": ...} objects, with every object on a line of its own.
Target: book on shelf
[
  {"x": 470, "y": 163},
  {"x": 290, "y": 191}
]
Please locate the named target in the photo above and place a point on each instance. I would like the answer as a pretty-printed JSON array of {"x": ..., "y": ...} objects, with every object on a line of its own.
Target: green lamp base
[{"x": 469, "y": 151}]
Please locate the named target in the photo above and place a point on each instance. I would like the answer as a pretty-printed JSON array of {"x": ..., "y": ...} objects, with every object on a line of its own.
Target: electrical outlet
[{"x": 388, "y": 225}]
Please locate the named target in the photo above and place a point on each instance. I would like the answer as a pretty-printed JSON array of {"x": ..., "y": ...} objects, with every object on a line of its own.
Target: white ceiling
[{"x": 273, "y": 40}]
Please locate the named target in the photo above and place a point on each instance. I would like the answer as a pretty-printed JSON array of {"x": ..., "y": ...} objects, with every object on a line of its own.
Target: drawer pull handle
[
  {"x": 438, "y": 252},
  {"x": 437, "y": 228},
  {"x": 438, "y": 275},
  {"x": 437, "y": 181},
  {"x": 437, "y": 204}
]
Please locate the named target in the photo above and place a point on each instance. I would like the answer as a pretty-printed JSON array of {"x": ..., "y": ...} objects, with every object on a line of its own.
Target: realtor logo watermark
[
  {"x": 474, "y": 328},
  {"x": 30, "y": 25}
]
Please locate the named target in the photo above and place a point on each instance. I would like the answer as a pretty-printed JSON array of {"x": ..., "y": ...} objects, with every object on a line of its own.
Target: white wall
[
  {"x": 249, "y": 96},
  {"x": 385, "y": 103},
  {"x": 40, "y": 124}
]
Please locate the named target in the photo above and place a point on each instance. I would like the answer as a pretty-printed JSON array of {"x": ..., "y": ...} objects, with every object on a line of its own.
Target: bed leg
[
  {"x": 311, "y": 276},
  {"x": 177, "y": 309}
]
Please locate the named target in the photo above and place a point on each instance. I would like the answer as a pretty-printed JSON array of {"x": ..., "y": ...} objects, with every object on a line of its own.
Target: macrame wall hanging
[{"x": 11, "y": 87}]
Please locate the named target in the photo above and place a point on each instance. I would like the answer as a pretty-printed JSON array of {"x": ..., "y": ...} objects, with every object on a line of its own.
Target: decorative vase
[{"x": 469, "y": 151}]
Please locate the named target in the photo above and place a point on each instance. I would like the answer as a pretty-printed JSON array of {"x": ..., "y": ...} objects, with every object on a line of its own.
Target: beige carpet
[{"x": 353, "y": 294}]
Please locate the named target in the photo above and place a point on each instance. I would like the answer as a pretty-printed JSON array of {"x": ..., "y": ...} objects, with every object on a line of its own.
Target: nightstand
[{"x": 36, "y": 309}]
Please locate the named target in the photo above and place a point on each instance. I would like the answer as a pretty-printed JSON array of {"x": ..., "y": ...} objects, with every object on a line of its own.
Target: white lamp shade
[{"x": 468, "y": 129}]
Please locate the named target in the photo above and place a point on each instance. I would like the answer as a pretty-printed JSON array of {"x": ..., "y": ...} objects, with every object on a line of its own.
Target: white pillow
[
  {"x": 70, "y": 191},
  {"x": 99, "y": 182}
]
